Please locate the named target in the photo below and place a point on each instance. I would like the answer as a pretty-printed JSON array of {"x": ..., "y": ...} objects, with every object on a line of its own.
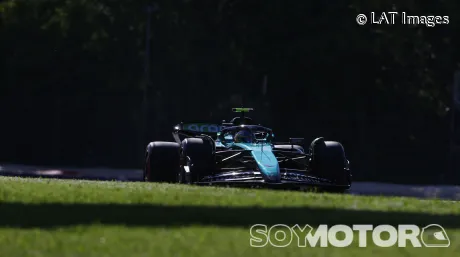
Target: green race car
[{"x": 240, "y": 153}]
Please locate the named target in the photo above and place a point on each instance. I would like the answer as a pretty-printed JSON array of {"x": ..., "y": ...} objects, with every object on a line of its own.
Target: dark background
[{"x": 73, "y": 80}]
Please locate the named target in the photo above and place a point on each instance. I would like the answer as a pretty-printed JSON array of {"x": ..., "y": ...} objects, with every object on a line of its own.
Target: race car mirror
[{"x": 296, "y": 140}]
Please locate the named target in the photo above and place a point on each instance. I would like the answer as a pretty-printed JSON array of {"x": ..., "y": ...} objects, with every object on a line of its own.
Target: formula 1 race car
[{"x": 240, "y": 153}]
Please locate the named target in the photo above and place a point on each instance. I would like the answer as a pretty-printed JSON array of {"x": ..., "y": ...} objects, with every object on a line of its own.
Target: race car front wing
[{"x": 289, "y": 180}]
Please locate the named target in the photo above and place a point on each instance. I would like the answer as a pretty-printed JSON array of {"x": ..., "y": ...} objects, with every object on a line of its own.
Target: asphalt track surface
[{"x": 444, "y": 192}]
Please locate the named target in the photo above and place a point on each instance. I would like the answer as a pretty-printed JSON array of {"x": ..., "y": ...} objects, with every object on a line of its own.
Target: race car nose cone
[{"x": 272, "y": 178}]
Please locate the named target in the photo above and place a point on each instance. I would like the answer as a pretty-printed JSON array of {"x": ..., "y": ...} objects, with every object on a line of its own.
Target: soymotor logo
[{"x": 281, "y": 235}]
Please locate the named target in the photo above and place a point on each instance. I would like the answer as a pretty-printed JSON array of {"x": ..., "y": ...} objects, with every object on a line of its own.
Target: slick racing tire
[
  {"x": 162, "y": 162},
  {"x": 198, "y": 159},
  {"x": 328, "y": 160}
]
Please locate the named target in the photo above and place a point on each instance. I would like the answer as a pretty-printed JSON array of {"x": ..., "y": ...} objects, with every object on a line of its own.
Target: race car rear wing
[
  {"x": 187, "y": 130},
  {"x": 195, "y": 129},
  {"x": 199, "y": 127}
]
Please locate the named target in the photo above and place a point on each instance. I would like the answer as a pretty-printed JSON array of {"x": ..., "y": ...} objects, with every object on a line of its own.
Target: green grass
[{"x": 42, "y": 217}]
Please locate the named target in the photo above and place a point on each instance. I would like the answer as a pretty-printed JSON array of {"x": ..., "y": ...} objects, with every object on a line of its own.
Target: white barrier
[{"x": 71, "y": 172}]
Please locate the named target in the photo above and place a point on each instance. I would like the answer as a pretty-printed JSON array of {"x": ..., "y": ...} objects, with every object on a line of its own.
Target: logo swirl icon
[
  {"x": 361, "y": 19},
  {"x": 434, "y": 235}
]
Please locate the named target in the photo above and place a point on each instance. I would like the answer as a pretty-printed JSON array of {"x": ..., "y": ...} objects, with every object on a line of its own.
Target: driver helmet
[{"x": 244, "y": 136}]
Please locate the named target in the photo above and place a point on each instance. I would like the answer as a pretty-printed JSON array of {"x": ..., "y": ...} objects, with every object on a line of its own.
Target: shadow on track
[{"x": 57, "y": 215}]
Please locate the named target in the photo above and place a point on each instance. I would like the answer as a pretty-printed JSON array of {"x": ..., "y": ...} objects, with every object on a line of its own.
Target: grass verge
[{"x": 44, "y": 217}]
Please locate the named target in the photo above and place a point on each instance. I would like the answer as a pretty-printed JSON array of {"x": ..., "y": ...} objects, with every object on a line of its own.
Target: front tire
[
  {"x": 162, "y": 162},
  {"x": 328, "y": 161},
  {"x": 199, "y": 159}
]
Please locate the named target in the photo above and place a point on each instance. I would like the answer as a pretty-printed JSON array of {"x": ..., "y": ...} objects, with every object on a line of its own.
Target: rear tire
[
  {"x": 198, "y": 155},
  {"x": 329, "y": 161},
  {"x": 162, "y": 162}
]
